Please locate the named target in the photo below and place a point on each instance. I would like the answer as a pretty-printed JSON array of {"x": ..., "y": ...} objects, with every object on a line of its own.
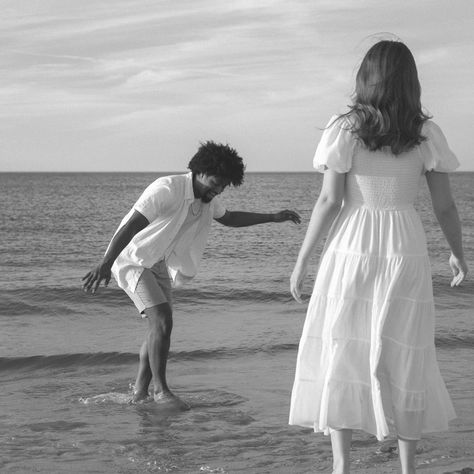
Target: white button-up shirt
[{"x": 166, "y": 204}]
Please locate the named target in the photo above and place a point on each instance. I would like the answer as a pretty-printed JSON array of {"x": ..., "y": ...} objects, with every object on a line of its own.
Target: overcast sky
[{"x": 130, "y": 85}]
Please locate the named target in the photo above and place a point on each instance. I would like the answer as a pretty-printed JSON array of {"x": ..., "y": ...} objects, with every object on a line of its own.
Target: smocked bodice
[{"x": 381, "y": 180}]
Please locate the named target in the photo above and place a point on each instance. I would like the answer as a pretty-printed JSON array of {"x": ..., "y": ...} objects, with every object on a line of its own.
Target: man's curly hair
[{"x": 216, "y": 159}]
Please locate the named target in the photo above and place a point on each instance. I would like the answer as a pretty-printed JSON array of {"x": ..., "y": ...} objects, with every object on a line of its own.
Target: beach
[{"x": 67, "y": 359}]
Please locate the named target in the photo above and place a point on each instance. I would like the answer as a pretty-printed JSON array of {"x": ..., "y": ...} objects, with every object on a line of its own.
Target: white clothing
[
  {"x": 173, "y": 233},
  {"x": 366, "y": 358},
  {"x": 188, "y": 230}
]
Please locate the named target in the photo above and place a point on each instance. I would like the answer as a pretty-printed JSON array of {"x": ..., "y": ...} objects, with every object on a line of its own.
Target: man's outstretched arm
[
  {"x": 244, "y": 219},
  {"x": 135, "y": 224}
]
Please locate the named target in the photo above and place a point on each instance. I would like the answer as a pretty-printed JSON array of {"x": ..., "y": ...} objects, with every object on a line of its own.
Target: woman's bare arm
[
  {"x": 447, "y": 215},
  {"x": 325, "y": 210}
]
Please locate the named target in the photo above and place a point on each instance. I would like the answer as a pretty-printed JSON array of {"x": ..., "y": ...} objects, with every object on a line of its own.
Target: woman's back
[
  {"x": 380, "y": 190},
  {"x": 380, "y": 180}
]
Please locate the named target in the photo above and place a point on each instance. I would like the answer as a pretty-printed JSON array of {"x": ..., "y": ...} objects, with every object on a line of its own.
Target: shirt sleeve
[
  {"x": 218, "y": 208},
  {"x": 336, "y": 147},
  {"x": 157, "y": 200},
  {"x": 436, "y": 154}
]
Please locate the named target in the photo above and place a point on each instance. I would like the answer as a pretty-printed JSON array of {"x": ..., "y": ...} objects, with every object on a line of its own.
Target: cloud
[
  {"x": 204, "y": 64},
  {"x": 151, "y": 79},
  {"x": 428, "y": 56}
]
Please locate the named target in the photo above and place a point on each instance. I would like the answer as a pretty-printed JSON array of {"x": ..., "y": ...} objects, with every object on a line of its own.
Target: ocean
[{"x": 67, "y": 359}]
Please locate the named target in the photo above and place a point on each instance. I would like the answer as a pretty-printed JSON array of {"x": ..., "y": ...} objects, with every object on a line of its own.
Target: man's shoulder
[
  {"x": 174, "y": 182},
  {"x": 172, "y": 178},
  {"x": 164, "y": 195}
]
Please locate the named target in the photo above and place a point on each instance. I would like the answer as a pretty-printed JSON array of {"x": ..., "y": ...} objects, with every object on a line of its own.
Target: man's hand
[
  {"x": 121, "y": 239},
  {"x": 287, "y": 215},
  {"x": 93, "y": 278}
]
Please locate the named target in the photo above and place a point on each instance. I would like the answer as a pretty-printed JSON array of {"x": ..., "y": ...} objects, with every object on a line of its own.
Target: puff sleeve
[
  {"x": 336, "y": 147},
  {"x": 436, "y": 154}
]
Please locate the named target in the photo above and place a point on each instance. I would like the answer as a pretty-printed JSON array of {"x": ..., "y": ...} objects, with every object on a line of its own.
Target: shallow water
[{"x": 59, "y": 420}]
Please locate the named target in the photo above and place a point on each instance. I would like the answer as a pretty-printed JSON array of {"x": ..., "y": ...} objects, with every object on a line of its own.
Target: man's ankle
[{"x": 162, "y": 391}]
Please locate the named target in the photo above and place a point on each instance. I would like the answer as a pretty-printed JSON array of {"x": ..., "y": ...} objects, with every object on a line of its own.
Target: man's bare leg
[
  {"x": 160, "y": 324},
  {"x": 407, "y": 451},
  {"x": 341, "y": 445},
  {"x": 144, "y": 375}
]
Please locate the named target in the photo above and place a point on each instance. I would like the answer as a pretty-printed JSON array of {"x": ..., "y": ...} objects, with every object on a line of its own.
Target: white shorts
[{"x": 153, "y": 288}]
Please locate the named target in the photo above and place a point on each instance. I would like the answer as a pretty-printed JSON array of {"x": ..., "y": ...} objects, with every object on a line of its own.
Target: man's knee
[{"x": 160, "y": 319}]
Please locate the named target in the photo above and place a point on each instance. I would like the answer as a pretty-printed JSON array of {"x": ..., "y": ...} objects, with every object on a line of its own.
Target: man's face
[{"x": 208, "y": 186}]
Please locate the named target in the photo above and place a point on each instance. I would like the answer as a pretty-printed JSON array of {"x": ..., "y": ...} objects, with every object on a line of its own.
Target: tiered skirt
[{"x": 366, "y": 358}]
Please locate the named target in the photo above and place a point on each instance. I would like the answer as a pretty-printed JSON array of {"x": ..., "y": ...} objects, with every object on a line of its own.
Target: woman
[{"x": 366, "y": 358}]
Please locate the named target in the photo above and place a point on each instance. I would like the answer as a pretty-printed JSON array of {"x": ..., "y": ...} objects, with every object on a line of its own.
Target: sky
[{"x": 130, "y": 85}]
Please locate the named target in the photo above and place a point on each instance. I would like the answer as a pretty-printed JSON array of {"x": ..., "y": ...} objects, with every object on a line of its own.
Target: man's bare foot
[
  {"x": 168, "y": 397},
  {"x": 138, "y": 397}
]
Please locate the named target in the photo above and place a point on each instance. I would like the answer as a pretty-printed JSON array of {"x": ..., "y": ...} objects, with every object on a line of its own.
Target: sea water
[{"x": 67, "y": 359}]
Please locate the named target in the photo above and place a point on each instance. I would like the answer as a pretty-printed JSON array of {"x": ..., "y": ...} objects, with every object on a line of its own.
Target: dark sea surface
[{"x": 67, "y": 358}]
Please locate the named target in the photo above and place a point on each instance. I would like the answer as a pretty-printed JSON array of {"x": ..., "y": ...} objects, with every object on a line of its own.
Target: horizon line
[
  {"x": 174, "y": 172},
  {"x": 147, "y": 172}
]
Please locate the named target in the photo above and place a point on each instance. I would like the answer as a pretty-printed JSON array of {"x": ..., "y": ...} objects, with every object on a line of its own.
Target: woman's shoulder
[
  {"x": 336, "y": 146},
  {"x": 341, "y": 121},
  {"x": 435, "y": 150},
  {"x": 339, "y": 130},
  {"x": 431, "y": 130}
]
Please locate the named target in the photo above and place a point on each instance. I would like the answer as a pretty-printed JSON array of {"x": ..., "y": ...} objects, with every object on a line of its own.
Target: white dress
[{"x": 366, "y": 358}]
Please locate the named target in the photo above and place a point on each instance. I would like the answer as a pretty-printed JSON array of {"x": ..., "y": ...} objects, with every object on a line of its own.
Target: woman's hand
[
  {"x": 459, "y": 269},
  {"x": 296, "y": 282}
]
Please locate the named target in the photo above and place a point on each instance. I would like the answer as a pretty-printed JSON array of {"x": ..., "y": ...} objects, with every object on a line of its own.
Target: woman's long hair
[{"x": 386, "y": 111}]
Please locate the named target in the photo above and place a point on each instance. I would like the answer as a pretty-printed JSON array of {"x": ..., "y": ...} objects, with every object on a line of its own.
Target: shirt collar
[{"x": 189, "y": 191}]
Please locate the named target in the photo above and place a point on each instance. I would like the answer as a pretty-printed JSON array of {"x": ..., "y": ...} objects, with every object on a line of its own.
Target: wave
[
  {"x": 121, "y": 358},
  {"x": 66, "y": 360},
  {"x": 233, "y": 295},
  {"x": 454, "y": 341},
  {"x": 47, "y": 301},
  {"x": 35, "y": 362}
]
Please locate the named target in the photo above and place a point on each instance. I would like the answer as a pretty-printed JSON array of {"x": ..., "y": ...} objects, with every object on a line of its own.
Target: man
[{"x": 159, "y": 244}]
